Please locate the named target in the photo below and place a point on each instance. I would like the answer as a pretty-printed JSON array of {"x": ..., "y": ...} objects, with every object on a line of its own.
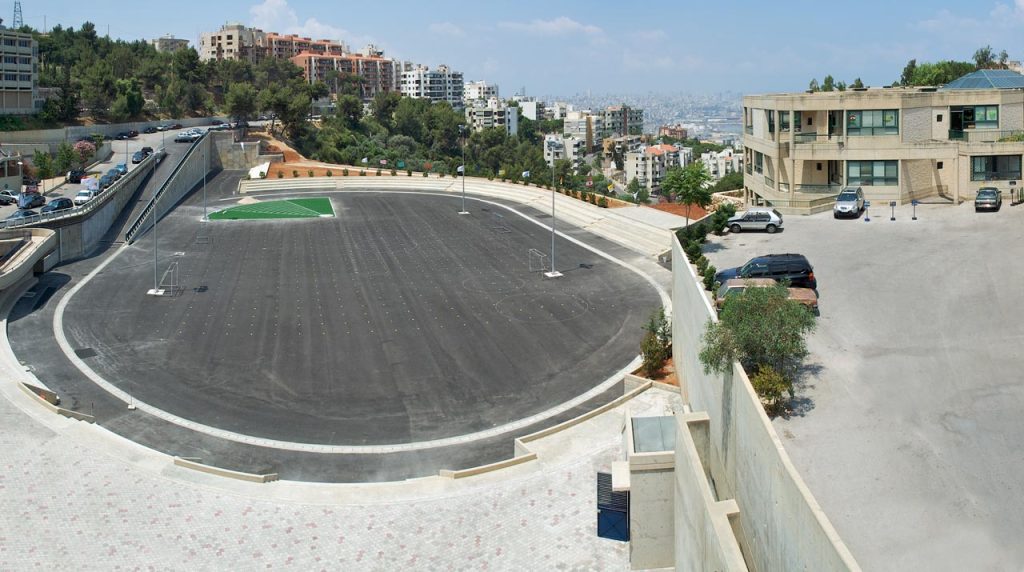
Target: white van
[{"x": 91, "y": 184}]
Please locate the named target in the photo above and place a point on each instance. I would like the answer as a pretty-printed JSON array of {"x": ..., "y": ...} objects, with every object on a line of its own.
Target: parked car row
[{"x": 188, "y": 136}]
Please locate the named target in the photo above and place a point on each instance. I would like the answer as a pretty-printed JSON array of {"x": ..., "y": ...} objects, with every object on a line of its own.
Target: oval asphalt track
[{"x": 397, "y": 321}]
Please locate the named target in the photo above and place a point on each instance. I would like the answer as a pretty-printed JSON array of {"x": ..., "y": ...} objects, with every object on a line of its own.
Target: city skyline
[{"x": 602, "y": 47}]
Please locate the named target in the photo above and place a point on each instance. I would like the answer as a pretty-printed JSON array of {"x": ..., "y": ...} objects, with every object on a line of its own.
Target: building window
[
  {"x": 938, "y": 118},
  {"x": 995, "y": 168},
  {"x": 976, "y": 117},
  {"x": 819, "y": 166},
  {"x": 873, "y": 122},
  {"x": 758, "y": 162},
  {"x": 810, "y": 121},
  {"x": 938, "y": 164},
  {"x": 784, "y": 120},
  {"x": 771, "y": 120},
  {"x": 872, "y": 173}
]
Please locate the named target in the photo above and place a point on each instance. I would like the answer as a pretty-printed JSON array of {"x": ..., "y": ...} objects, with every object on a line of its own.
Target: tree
[
  {"x": 65, "y": 158},
  {"x": 350, "y": 110},
  {"x": 690, "y": 185},
  {"x": 813, "y": 86},
  {"x": 1003, "y": 58},
  {"x": 730, "y": 182},
  {"x": 758, "y": 327},
  {"x": 907, "y": 77},
  {"x": 857, "y": 83},
  {"x": 633, "y": 188},
  {"x": 984, "y": 58},
  {"x": 383, "y": 107},
  {"x": 44, "y": 164},
  {"x": 656, "y": 345},
  {"x": 828, "y": 84},
  {"x": 84, "y": 150},
  {"x": 240, "y": 101}
]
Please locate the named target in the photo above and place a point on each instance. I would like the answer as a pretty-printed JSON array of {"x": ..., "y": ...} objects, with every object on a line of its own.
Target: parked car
[
  {"x": 30, "y": 200},
  {"x": 58, "y": 204},
  {"x": 75, "y": 176},
  {"x": 850, "y": 202},
  {"x": 175, "y": 126},
  {"x": 7, "y": 197},
  {"x": 756, "y": 218},
  {"x": 988, "y": 198},
  {"x": 106, "y": 181},
  {"x": 21, "y": 215},
  {"x": 150, "y": 129},
  {"x": 804, "y": 296},
  {"x": 122, "y": 136},
  {"x": 121, "y": 168},
  {"x": 791, "y": 268},
  {"x": 138, "y": 157},
  {"x": 114, "y": 174},
  {"x": 147, "y": 150},
  {"x": 216, "y": 122},
  {"x": 83, "y": 197},
  {"x": 164, "y": 127}
]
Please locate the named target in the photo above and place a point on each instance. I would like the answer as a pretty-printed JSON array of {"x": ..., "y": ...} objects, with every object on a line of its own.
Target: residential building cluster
[
  {"x": 897, "y": 144},
  {"x": 594, "y": 126},
  {"x": 648, "y": 164},
  {"x": 169, "y": 44}
]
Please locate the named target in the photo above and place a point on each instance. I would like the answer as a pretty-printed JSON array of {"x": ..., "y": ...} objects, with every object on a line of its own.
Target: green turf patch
[{"x": 294, "y": 208}]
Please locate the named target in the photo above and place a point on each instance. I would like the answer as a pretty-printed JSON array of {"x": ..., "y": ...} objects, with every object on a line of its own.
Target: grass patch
[{"x": 294, "y": 208}]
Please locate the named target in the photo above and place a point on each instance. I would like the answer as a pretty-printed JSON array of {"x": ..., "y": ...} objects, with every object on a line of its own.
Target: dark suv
[{"x": 793, "y": 268}]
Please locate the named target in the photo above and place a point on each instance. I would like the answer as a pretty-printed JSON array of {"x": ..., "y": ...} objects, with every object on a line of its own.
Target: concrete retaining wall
[
  {"x": 780, "y": 525},
  {"x": 72, "y": 134},
  {"x": 190, "y": 171}
]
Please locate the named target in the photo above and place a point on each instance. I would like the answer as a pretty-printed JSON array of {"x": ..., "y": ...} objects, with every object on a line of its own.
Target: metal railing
[
  {"x": 138, "y": 223},
  {"x": 986, "y": 135},
  {"x": 996, "y": 175},
  {"x": 98, "y": 200},
  {"x": 831, "y": 188},
  {"x": 770, "y": 182}
]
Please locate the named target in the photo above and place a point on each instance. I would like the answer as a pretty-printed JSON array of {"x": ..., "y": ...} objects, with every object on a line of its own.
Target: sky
[{"x": 568, "y": 47}]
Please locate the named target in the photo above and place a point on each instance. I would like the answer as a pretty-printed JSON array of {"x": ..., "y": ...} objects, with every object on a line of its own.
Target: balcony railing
[
  {"x": 805, "y": 137},
  {"x": 829, "y": 189},
  {"x": 1013, "y": 175},
  {"x": 769, "y": 182},
  {"x": 986, "y": 135}
]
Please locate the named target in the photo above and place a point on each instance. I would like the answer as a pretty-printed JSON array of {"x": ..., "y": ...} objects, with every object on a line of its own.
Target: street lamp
[
  {"x": 462, "y": 129},
  {"x": 553, "y": 273},
  {"x": 206, "y": 168}
]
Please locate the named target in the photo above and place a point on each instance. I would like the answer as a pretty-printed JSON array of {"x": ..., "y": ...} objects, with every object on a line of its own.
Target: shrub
[
  {"x": 329, "y": 173},
  {"x": 770, "y": 385},
  {"x": 263, "y": 174},
  {"x": 393, "y": 172},
  {"x": 280, "y": 174},
  {"x": 701, "y": 264},
  {"x": 426, "y": 174},
  {"x": 408, "y": 172},
  {"x": 295, "y": 173},
  {"x": 311, "y": 172},
  {"x": 526, "y": 182},
  {"x": 344, "y": 172},
  {"x": 709, "y": 278},
  {"x": 692, "y": 250},
  {"x": 378, "y": 172},
  {"x": 656, "y": 344},
  {"x": 602, "y": 202},
  {"x": 362, "y": 172}
]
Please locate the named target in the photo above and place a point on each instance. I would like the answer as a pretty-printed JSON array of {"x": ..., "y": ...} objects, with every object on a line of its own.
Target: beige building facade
[
  {"x": 897, "y": 144},
  {"x": 19, "y": 73}
]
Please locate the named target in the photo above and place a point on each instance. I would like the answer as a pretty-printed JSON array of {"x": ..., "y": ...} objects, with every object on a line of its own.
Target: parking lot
[{"x": 907, "y": 420}]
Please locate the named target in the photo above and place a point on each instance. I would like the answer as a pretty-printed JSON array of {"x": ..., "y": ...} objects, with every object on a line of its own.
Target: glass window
[
  {"x": 979, "y": 116},
  {"x": 871, "y": 173},
  {"x": 873, "y": 122},
  {"x": 995, "y": 168},
  {"x": 758, "y": 161}
]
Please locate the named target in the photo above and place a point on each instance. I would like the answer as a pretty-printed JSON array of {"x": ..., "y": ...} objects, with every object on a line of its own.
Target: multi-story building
[
  {"x": 531, "y": 109},
  {"x": 562, "y": 147},
  {"x": 897, "y": 144},
  {"x": 587, "y": 126},
  {"x": 479, "y": 90},
  {"x": 233, "y": 42},
  {"x": 493, "y": 112},
  {"x": 623, "y": 120},
  {"x": 19, "y": 73},
  {"x": 673, "y": 131},
  {"x": 10, "y": 172},
  {"x": 557, "y": 110},
  {"x": 169, "y": 43},
  {"x": 285, "y": 46},
  {"x": 441, "y": 84},
  {"x": 377, "y": 72},
  {"x": 722, "y": 163},
  {"x": 648, "y": 165},
  {"x": 620, "y": 145}
]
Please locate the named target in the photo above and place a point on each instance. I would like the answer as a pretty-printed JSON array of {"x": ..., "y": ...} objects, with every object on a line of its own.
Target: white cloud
[
  {"x": 652, "y": 35},
  {"x": 560, "y": 25},
  {"x": 278, "y": 16},
  {"x": 446, "y": 29}
]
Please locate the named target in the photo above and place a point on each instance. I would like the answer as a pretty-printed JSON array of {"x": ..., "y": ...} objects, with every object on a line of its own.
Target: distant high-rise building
[
  {"x": 440, "y": 84},
  {"x": 531, "y": 109},
  {"x": 585, "y": 125},
  {"x": 482, "y": 114},
  {"x": 19, "y": 84},
  {"x": 623, "y": 120}
]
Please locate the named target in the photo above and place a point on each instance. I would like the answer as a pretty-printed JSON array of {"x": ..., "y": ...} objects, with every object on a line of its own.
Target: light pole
[
  {"x": 462, "y": 129},
  {"x": 206, "y": 145},
  {"x": 553, "y": 273}
]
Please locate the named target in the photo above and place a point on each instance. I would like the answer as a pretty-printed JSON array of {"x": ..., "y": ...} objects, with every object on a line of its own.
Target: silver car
[
  {"x": 850, "y": 202},
  {"x": 988, "y": 198},
  {"x": 756, "y": 218}
]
